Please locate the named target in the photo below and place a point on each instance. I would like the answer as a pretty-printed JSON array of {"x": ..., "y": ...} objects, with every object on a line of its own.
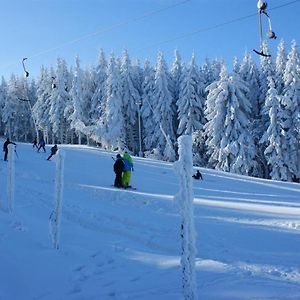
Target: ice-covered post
[
  {"x": 184, "y": 169},
  {"x": 10, "y": 177},
  {"x": 55, "y": 217}
]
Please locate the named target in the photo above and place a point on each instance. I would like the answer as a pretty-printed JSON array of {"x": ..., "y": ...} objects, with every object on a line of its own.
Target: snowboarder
[
  {"x": 118, "y": 169},
  {"x": 198, "y": 175},
  {"x": 127, "y": 170},
  {"x": 5, "y": 148},
  {"x": 53, "y": 151},
  {"x": 41, "y": 145}
]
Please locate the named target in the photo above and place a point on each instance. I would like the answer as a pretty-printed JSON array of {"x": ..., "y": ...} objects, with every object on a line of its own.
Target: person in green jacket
[{"x": 128, "y": 168}]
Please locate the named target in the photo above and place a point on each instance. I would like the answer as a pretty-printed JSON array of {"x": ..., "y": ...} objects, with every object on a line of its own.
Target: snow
[{"x": 125, "y": 244}]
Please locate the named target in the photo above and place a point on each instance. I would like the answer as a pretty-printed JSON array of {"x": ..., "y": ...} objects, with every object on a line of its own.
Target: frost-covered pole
[
  {"x": 184, "y": 169},
  {"x": 10, "y": 177},
  {"x": 55, "y": 217},
  {"x": 139, "y": 103}
]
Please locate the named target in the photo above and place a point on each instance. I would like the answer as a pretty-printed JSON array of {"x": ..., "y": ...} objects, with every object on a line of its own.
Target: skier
[
  {"x": 198, "y": 175},
  {"x": 35, "y": 145},
  {"x": 127, "y": 170},
  {"x": 118, "y": 169},
  {"x": 53, "y": 151},
  {"x": 41, "y": 145},
  {"x": 5, "y": 148}
]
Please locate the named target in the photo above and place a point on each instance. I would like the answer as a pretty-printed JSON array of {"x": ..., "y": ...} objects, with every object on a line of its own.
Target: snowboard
[{"x": 127, "y": 188}]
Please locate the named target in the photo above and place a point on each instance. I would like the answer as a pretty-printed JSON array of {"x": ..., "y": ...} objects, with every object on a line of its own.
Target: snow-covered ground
[{"x": 125, "y": 244}]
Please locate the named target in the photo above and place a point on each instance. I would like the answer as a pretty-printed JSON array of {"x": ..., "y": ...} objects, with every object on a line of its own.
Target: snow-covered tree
[
  {"x": 280, "y": 66},
  {"x": 164, "y": 135},
  {"x": 3, "y": 99},
  {"x": 59, "y": 101},
  {"x": 41, "y": 107},
  {"x": 98, "y": 98},
  {"x": 250, "y": 74},
  {"x": 25, "y": 121},
  {"x": 130, "y": 99},
  {"x": 273, "y": 137},
  {"x": 267, "y": 68},
  {"x": 291, "y": 113},
  {"x": 236, "y": 65},
  {"x": 11, "y": 108},
  {"x": 190, "y": 101},
  {"x": 211, "y": 70},
  {"x": 76, "y": 105},
  {"x": 229, "y": 139},
  {"x": 113, "y": 130},
  {"x": 148, "y": 122},
  {"x": 175, "y": 85}
]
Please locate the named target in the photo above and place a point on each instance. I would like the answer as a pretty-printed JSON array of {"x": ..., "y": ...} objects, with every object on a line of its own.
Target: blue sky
[{"x": 43, "y": 30}]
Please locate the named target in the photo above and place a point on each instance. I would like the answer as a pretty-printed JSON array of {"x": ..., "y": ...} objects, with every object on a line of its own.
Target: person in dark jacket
[
  {"x": 118, "y": 169},
  {"x": 53, "y": 151},
  {"x": 41, "y": 145},
  {"x": 35, "y": 144},
  {"x": 5, "y": 148},
  {"x": 198, "y": 175}
]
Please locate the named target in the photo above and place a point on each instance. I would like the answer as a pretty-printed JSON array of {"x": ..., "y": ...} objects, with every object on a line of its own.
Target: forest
[{"x": 244, "y": 119}]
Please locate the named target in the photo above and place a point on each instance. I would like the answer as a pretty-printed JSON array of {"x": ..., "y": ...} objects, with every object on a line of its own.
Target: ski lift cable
[
  {"x": 104, "y": 30},
  {"x": 216, "y": 26},
  {"x": 112, "y": 27},
  {"x": 118, "y": 25}
]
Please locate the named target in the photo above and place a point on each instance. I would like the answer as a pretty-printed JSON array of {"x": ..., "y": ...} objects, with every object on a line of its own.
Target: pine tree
[
  {"x": 3, "y": 99},
  {"x": 190, "y": 102},
  {"x": 229, "y": 139},
  {"x": 98, "y": 98},
  {"x": 11, "y": 109},
  {"x": 25, "y": 121},
  {"x": 41, "y": 107},
  {"x": 113, "y": 129},
  {"x": 236, "y": 65},
  {"x": 250, "y": 74},
  {"x": 280, "y": 66},
  {"x": 76, "y": 106},
  {"x": 291, "y": 104},
  {"x": 147, "y": 110},
  {"x": 211, "y": 71},
  {"x": 273, "y": 137},
  {"x": 164, "y": 135},
  {"x": 130, "y": 100},
  {"x": 262, "y": 121},
  {"x": 59, "y": 101},
  {"x": 175, "y": 86}
]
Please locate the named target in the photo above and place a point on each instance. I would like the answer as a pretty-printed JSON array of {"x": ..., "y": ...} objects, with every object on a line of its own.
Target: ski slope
[{"x": 125, "y": 244}]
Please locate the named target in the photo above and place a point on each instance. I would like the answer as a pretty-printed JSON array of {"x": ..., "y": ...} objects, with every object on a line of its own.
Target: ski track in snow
[{"x": 125, "y": 244}]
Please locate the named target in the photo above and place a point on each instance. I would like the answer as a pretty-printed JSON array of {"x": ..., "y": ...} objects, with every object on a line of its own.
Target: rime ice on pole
[
  {"x": 55, "y": 217},
  {"x": 184, "y": 169},
  {"x": 10, "y": 177}
]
